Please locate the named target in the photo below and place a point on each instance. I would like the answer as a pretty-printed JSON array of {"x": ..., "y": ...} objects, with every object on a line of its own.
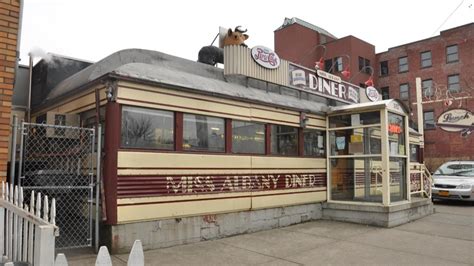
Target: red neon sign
[{"x": 394, "y": 129}]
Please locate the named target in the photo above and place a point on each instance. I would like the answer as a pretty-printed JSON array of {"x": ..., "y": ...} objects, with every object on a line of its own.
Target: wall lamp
[
  {"x": 370, "y": 81},
  {"x": 346, "y": 72},
  {"x": 319, "y": 64}
]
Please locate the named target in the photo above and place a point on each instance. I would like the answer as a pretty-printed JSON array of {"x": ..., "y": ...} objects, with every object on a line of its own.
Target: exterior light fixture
[
  {"x": 369, "y": 82},
  {"x": 320, "y": 63}
]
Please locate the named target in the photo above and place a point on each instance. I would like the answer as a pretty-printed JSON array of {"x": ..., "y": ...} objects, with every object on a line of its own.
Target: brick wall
[{"x": 9, "y": 23}]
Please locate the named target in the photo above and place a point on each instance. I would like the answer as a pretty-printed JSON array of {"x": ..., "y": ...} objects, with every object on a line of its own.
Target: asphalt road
[{"x": 444, "y": 238}]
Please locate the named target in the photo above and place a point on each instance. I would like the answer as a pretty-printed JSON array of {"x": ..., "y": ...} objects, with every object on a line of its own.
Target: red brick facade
[
  {"x": 9, "y": 24},
  {"x": 440, "y": 145}
]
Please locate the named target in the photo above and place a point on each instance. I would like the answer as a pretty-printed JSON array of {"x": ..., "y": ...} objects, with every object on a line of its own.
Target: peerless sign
[
  {"x": 323, "y": 83},
  {"x": 456, "y": 120},
  {"x": 265, "y": 57}
]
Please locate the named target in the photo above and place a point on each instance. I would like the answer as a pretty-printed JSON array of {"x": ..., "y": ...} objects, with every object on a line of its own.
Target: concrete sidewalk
[{"x": 444, "y": 238}]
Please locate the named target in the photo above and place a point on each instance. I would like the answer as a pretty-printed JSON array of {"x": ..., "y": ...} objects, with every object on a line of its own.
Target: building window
[
  {"x": 427, "y": 87},
  {"x": 385, "y": 93},
  {"x": 453, "y": 83},
  {"x": 328, "y": 65},
  {"x": 452, "y": 54},
  {"x": 147, "y": 128},
  {"x": 338, "y": 64},
  {"x": 364, "y": 65},
  {"x": 284, "y": 140},
  {"x": 203, "y": 133},
  {"x": 383, "y": 68},
  {"x": 313, "y": 142},
  {"x": 428, "y": 118},
  {"x": 425, "y": 58},
  {"x": 404, "y": 94},
  {"x": 248, "y": 137},
  {"x": 402, "y": 64}
]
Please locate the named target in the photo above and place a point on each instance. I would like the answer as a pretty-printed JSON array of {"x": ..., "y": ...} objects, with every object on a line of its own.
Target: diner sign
[
  {"x": 240, "y": 183},
  {"x": 456, "y": 120},
  {"x": 265, "y": 57},
  {"x": 323, "y": 83}
]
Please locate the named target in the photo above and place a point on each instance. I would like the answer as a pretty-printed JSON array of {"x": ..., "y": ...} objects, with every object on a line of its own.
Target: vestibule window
[
  {"x": 147, "y": 128},
  {"x": 203, "y": 133},
  {"x": 248, "y": 137},
  {"x": 314, "y": 142},
  {"x": 284, "y": 140}
]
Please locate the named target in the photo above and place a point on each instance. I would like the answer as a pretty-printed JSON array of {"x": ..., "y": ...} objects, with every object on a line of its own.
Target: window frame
[
  {"x": 323, "y": 133},
  {"x": 458, "y": 83},
  {"x": 406, "y": 64},
  {"x": 424, "y": 60},
  {"x": 387, "y": 89},
  {"x": 224, "y": 151},
  {"x": 232, "y": 138},
  {"x": 448, "y": 54},
  {"x": 298, "y": 142},
  {"x": 407, "y": 92},
  {"x": 424, "y": 120},
  {"x": 381, "y": 67},
  {"x": 423, "y": 87},
  {"x": 122, "y": 147}
]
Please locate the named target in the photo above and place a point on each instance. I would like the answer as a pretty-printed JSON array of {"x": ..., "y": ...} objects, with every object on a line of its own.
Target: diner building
[{"x": 194, "y": 152}]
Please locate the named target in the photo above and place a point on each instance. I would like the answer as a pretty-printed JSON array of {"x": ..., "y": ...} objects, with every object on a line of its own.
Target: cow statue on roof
[{"x": 212, "y": 55}]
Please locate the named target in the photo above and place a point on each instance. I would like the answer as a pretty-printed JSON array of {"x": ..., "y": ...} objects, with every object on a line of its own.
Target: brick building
[
  {"x": 444, "y": 63},
  {"x": 9, "y": 45}
]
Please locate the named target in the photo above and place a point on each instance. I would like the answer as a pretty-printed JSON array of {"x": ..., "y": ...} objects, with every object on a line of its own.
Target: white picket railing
[
  {"x": 27, "y": 233},
  {"x": 136, "y": 257}
]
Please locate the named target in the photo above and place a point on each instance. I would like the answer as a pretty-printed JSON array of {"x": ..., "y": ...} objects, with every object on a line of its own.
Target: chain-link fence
[{"x": 59, "y": 161}]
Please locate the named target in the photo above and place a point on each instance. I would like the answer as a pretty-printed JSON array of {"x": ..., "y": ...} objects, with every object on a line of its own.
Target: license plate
[{"x": 443, "y": 193}]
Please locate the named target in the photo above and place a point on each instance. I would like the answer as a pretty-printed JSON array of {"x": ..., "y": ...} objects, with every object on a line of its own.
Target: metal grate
[{"x": 58, "y": 161}]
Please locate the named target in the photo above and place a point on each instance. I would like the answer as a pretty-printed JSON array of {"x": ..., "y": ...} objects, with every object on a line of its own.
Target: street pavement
[{"x": 444, "y": 238}]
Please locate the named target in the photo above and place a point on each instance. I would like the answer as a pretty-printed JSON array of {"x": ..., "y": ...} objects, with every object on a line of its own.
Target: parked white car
[{"x": 454, "y": 181}]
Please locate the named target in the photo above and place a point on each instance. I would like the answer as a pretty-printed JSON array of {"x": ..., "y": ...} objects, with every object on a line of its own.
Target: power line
[{"x": 436, "y": 31}]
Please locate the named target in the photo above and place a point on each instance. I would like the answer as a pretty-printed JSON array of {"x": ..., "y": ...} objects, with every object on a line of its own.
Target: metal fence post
[
  {"x": 13, "y": 149},
  {"x": 20, "y": 163},
  {"x": 97, "y": 184}
]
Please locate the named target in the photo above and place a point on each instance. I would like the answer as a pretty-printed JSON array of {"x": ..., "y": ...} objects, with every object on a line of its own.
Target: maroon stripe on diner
[
  {"x": 228, "y": 135},
  {"x": 268, "y": 139},
  {"x": 178, "y": 132},
  {"x": 167, "y": 185},
  {"x": 112, "y": 142},
  {"x": 300, "y": 142},
  {"x": 233, "y": 197}
]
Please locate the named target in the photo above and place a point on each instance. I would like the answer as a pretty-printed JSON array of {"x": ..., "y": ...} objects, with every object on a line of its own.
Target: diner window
[
  {"x": 203, "y": 133},
  {"x": 284, "y": 140},
  {"x": 402, "y": 64},
  {"x": 396, "y": 134},
  {"x": 385, "y": 93},
  {"x": 453, "y": 83},
  {"x": 248, "y": 137},
  {"x": 428, "y": 119},
  {"x": 314, "y": 142},
  {"x": 414, "y": 153},
  {"x": 404, "y": 91},
  {"x": 452, "y": 54},
  {"x": 425, "y": 58},
  {"x": 383, "y": 68},
  {"x": 427, "y": 87},
  {"x": 147, "y": 128}
]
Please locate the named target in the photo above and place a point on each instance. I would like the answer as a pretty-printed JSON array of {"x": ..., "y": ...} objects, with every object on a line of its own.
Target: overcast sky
[{"x": 93, "y": 29}]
